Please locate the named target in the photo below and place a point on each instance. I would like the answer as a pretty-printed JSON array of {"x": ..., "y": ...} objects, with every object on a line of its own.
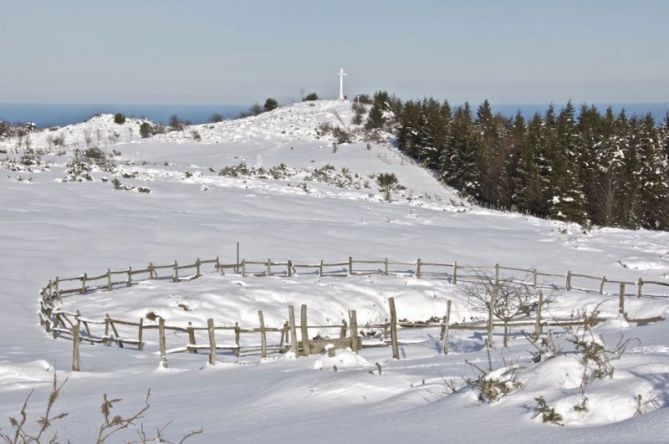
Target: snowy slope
[{"x": 53, "y": 228}]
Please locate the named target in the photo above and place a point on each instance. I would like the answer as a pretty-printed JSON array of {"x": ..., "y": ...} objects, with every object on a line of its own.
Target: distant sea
[{"x": 54, "y": 114}]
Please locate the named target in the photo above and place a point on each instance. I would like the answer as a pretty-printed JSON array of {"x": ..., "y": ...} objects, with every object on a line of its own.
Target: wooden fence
[{"x": 106, "y": 330}]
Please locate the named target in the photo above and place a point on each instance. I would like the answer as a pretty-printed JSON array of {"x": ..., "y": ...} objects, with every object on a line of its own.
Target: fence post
[
  {"x": 534, "y": 278},
  {"x": 263, "y": 335},
  {"x": 293, "y": 329},
  {"x": 601, "y": 286},
  {"x": 305, "y": 330},
  {"x": 140, "y": 335},
  {"x": 320, "y": 268},
  {"x": 353, "y": 318},
  {"x": 350, "y": 265},
  {"x": 538, "y": 329},
  {"x": 243, "y": 267},
  {"x": 567, "y": 284},
  {"x": 197, "y": 268},
  {"x": 290, "y": 266},
  {"x": 56, "y": 283},
  {"x": 418, "y": 268},
  {"x": 621, "y": 299},
  {"x": 105, "y": 340},
  {"x": 444, "y": 328},
  {"x": 83, "y": 283},
  {"x": 152, "y": 271},
  {"x": 161, "y": 342},
  {"x": 129, "y": 283},
  {"x": 385, "y": 267},
  {"x": 75, "y": 348},
  {"x": 212, "y": 341},
  {"x": 344, "y": 327},
  {"x": 496, "y": 275},
  {"x": 237, "y": 332},
  {"x": 109, "y": 280},
  {"x": 491, "y": 315},
  {"x": 639, "y": 292},
  {"x": 393, "y": 328},
  {"x": 237, "y": 261},
  {"x": 191, "y": 338},
  {"x": 455, "y": 273},
  {"x": 269, "y": 267},
  {"x": 176, "y": 271}
]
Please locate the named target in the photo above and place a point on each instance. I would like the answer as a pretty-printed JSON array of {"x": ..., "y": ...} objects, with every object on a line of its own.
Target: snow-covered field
[{"x": 322, "y": 204}]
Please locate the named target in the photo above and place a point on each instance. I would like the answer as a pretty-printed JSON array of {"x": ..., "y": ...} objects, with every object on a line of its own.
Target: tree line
[{"x": 585, "y": 166}]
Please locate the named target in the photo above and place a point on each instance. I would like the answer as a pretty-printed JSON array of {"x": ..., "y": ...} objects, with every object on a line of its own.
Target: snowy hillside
[{"x": 283, "y": 190}]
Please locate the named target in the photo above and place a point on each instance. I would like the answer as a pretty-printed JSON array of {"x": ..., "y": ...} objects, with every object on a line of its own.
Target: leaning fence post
[
  {"x": 538, "y": 329},
  {"x": 601, "y": 286},
  {"x": 444, "y": 327},
  {"x": 491, "y": 313},
  {"x": 212, "y": 341},
  {"x": 75, "y": 347},
  {"x": 263, "y": 335},
  {"x": 567, "y": 284},
  {"x": 161, "y": 342},
  {"x": 418, "y": 268},
  {"x": 305, "y": 330},
  {"x": 293, "y": 329},
  {"x": 621, "y": 299},
  {"x": 393, "y": 328},
  {"x": 353, "y": 318},
  {"x": 176, "y": 271},
  {"x": 191, "y": 338},
  {"x": 639, "y": 291}
]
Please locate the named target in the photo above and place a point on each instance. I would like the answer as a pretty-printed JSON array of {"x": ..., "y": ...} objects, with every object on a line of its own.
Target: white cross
[{"x": 341, "y": 74}]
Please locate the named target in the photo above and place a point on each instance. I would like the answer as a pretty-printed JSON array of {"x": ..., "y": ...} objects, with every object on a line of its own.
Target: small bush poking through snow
[
  {"x": 119, "y": 118},
  {"x": 548, "y": 414}
]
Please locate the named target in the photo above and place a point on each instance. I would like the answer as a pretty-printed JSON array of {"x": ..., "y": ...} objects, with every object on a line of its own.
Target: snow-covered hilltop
[{"x": 97, "y": 195}]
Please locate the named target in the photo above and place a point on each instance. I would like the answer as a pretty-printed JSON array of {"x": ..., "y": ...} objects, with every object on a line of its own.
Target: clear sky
[{"x": 236, "y": 52}]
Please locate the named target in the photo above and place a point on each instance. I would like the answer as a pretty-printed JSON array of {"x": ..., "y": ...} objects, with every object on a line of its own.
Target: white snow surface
[{"x": 53, "y": 228}]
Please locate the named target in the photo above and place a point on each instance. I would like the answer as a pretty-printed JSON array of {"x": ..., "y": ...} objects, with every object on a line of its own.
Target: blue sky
[{"x": 237, "y": 52}]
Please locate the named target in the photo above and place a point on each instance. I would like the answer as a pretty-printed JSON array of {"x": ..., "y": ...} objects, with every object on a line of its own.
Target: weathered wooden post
[
  {"x": 621, "y": 299},
  {"x": 269, "y": 267},
  {"x": 105, "y": 339},
  {"x": 129, "y": 283},
  {"x": 243, "y": 267},
  {"x": 393, "y": 328},
  {"x": 305, "y": 330},
  {"x": 57, "y": 285},
  {"x": 320, "y": 268},
  {"x": 75, "y": 348},
  {"x": 567, "y": 284},
  {"x": 237, "y": 261},
  {"x": 197, "y": 268},
  {"x": 353, "y": 318},
  {"x": 350, "y": 265},
  {"x": 290, "y": 268},
  {"x": 455, "y": 273},
  {"x": 263, "y": 335},
  {"x": 176, "y": 271},
  {"x": 212, "y": 341},
  {"x": 217, "y": 265},
  {"x": 191, "y": 338},
  {"x": 152, "y": 271},
  {"x": 491, "y": 314},
  {"x": 342, "y": 331},
  {"x": 601, "y": 286},
  {"x": 385, "y": 266},
  {"x": 496, "y": 275},
  {"x": 293, "y": 329},
  {"x": 444, "y": 327},
  {"x": 639, "y": 291},
  {"x": 84, "y": 278},
  {"x": 534, "y": 278},
  {"x": 109, "y": 279},
  {"x": 140, "y": 334},
  {"x": 538, "y": 329},
  {"x": 161, "y": 342},
  {"x": 237, "y": 333},
  {"x": 418, "y": 268}
]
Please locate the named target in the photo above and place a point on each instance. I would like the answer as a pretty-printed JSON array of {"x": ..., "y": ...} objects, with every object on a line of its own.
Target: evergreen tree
[{"x": 460, "y": 169}]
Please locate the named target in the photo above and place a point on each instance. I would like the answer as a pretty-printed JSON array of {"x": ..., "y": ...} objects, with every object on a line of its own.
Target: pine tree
[{"x": 460, "y": 169}]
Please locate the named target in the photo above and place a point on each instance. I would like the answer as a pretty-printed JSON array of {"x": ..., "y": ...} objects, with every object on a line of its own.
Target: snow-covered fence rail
[{"x": 125, "y": 332}]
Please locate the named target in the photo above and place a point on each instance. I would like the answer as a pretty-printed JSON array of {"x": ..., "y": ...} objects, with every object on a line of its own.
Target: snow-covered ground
[{"x": 323, "y": 204}]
